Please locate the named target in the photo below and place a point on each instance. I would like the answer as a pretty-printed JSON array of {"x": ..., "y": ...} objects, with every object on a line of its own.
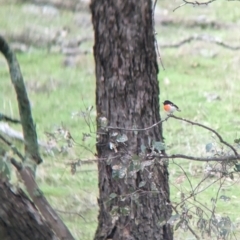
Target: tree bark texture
[
  {"x": 19, "y": 219},
  {"x": 134, "y": 190}
]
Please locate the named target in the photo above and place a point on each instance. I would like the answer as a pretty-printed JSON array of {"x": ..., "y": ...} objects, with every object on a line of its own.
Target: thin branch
[
  {"x": 194, "y": 3},
  {"x": 66, "y": 212},
  {"x": 215, "y": 202},
  {"x": 184, "y": 172},
  {"x": 183, "y": 4},
  {"x": 204, "y": 38},
  {"x": 8, "y": 119},
  {"x": 139, "y": 129},
  {"x": 191, "y": 230},
  {"x": 202, "y": 159},
  {"x": 193, "y": 194},
  {"x": 155, "y": 33},
  {"x": 14, "y": 149},
  {"x": 211, "y": 130}
]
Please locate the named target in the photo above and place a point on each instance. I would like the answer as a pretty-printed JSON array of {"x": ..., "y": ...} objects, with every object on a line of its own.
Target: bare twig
[
  {"x": 204, "y": 38},
  {"x": 183, "y": 4},
  {"x": 191, "y": 230},
  {"x": 66, "y": 212},
  {"x": 215, "y": 202},
  {"x": 194, "y": 3},
  {"x": 155, "y": 33},
  {"x": 14, "y": 149},
  {"x": 202, "y": 159},
  {"x": 192, "y": 194},
  {"x": 139, "y": 129},
  {"x": 184, "y": 172},
  {"x": 211, "y": 130},
  {"x": 8, "y": 119}
]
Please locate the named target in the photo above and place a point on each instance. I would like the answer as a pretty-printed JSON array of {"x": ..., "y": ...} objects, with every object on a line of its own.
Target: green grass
[{"x": 190, "y": 73}]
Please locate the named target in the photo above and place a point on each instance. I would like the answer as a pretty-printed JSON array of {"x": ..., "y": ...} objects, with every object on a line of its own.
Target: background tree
[
  {"x": 133, "y": 198},
  {"x": 27, "y": 169}
]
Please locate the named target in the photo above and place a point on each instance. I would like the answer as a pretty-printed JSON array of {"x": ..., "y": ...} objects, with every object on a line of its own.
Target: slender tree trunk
[
  {"x": 32, "y": 156},
  {"x": 19, "y": 219},
  {"x": 134, "y": 191}
]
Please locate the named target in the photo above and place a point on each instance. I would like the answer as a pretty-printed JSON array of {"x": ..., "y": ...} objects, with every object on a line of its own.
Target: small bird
[{"x": 170, "y": 107}]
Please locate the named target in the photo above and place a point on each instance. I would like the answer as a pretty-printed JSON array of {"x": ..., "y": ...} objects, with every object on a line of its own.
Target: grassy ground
[{"x": 192, "y": 72}]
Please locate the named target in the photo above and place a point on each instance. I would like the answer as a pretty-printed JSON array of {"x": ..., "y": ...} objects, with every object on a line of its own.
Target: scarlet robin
[{"x": 170, "y": 107}]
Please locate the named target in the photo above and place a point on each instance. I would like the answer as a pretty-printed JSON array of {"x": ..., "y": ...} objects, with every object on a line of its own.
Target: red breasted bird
[{"x": 170, "y": 107}]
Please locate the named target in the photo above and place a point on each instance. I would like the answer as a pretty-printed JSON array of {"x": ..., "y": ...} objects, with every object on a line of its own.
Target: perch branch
[{"x": 139, "y": 129}]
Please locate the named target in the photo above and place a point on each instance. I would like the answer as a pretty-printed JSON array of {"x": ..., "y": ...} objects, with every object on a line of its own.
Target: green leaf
[
  {"x": 143, "y": 148},
  {"x": 114, "y": 134},
  {"x": 172, "y": 220},
  {"x": 135, "y": 166},
  {"x": 125, "y": 211},
  {"x": 109, "y": 161},
  {"x": 118, "y": 171},
  {"x": 237, "y": 167},
  {"x": 146, "y": 164},
  {"x": 159, "y": 146},
  {"x": 153, "y": 186},
  {"x": 209, "y": 147},
  {"x": 237, "y": 140},
  {"x": 122, "y": 138},
  {"x": 115, "y": 171},
  {"x": 142, "y": 184},
  {"x": 112, "y": 195},
  {"x": 122, "y": 172}
]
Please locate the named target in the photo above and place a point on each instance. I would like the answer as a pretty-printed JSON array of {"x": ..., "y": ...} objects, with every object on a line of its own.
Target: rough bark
[
  {"x": 19, "y": 219},
  {"x": 133, "y": 200}
]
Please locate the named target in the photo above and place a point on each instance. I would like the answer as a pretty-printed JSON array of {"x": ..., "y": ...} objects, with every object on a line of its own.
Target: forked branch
[{"x": 209, "y": 129}]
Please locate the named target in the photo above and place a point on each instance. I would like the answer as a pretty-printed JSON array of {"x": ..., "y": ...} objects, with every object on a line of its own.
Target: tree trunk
[
  {"x": 133, "y": 185},
  {"x": 19, "y": 219}
]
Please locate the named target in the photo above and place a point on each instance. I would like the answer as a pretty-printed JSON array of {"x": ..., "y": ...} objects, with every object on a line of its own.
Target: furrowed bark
[{"x": 127, "y": 95}]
